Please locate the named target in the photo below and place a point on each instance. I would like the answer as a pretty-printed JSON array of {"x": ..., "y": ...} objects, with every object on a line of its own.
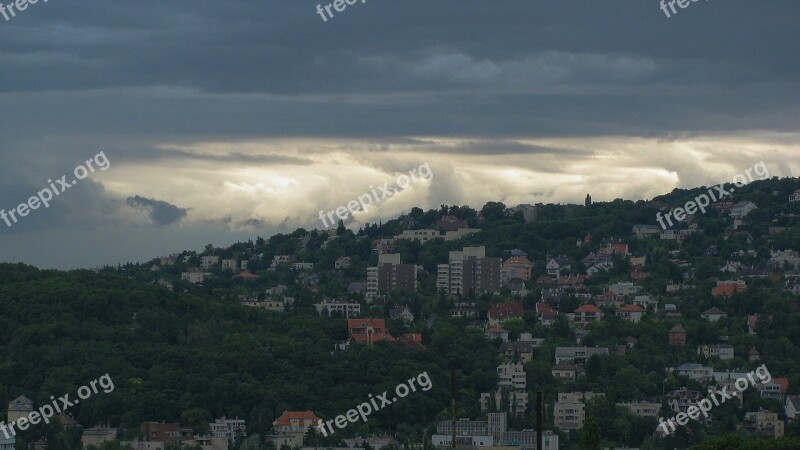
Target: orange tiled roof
[
  {"x": 587, "y": 308},
  {"x": 631, "y": 308},
  {"x": 285, "y": 419}
]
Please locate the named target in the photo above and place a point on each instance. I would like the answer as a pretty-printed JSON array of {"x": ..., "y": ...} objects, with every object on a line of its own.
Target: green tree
[{"x": 590, "y": 435}]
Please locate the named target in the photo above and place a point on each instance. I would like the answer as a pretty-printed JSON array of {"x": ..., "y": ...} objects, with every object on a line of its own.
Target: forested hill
[{"x": 171, "y": 353}]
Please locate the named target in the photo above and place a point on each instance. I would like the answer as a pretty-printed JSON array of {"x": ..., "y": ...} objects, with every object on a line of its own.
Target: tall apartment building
[
  {"x": 469, "y": 270},
  {"x": 389, "y": 275},
  {"x": 511, "y": 383},
  {"x": 569, "y": 410}
]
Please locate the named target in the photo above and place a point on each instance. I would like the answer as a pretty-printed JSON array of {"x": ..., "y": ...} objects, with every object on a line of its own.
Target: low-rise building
[
  {"x": 566, "y": 371},
  {"x": 713, "y": 314},
  {"x": 680, "y": 400},
  {"x": 344, "y": 309},
  {"x": 642, "y": 409},
  {"x": 228, "y": 428},
  {"x": 207, "y": 261},
  {"x": 696, "y": 372},
  {"x": 764, "y": 422},
  {"x": 624, "y": 288},
  {"x": 97, "y": 435},
  {"x": 578, "y": 355},
  {"x": 631, "y": 313},
  {"x": 721, "y": 351},
  {"x": 587, "y": 314}
]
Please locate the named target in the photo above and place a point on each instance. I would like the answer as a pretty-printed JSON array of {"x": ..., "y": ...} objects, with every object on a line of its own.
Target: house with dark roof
[
  {"x": 19, "y": 407},
  {"x": 566, "y": 371},
  {"x": 791, "y": 405},
  {"x": 713, "y": 314},
  {"x": 510, "y": 350},
  {"x": 677, "y": 336}
]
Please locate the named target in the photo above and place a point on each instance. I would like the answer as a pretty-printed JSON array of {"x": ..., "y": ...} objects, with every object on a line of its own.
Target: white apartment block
[
  {"x": 418, "y": 235},
  {"x": 642, "y": 409},
  {"x": 624, "y": 288},
  {"x": 512, "y": 375},
  {"x": 785, "y": 259},
  {"x": 229, "y": 264},
  {"x": 347, "y": 310},
  {"x": 208, "y": 261},
  {"x": 228, "y": 428},
  {"x": 517, "y": 401},
  {"x": 569, "y": 410}
]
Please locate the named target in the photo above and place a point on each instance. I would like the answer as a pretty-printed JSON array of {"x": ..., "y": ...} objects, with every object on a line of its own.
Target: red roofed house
[
  {"x": 587, "y": 314},
  {"x": 295, "y": 424},
  {"x": 547, "y": 315},
  {"x": 412, "y": 340},
  {"x": 631, "y": 313},
  {"x": 516, "y": 267},
  {"x": 728, "y": 288},
  {"x": 497, "y": 332},
  {"x": 501, "y": 312},
  {"x": 367, "y": 331},
  {"x": 451, "y": 223},
  {"x": 776, "y": 388},
  {"x": 609, "y": 298},
  {"x": 572, "y": 281},
  {"x": 617, "y": 249},
  {"x": 247, "y": 276}
]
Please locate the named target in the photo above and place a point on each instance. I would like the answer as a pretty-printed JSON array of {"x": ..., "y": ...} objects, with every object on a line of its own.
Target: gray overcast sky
[{"x": 227, "y": 120}]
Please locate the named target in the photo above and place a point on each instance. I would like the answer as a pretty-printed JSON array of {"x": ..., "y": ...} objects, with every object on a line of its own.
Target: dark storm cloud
[
  {"x": 145, "y": 81},
  {"x": 160, "y": 212},
  {"x": 393, "y": 68}
]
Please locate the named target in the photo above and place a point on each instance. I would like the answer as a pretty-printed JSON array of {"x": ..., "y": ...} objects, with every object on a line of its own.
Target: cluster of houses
[{"x": 221, "y": 434}]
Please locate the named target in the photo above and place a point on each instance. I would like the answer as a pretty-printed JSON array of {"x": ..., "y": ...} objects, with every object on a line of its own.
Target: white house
[
  {"x": 696, "y": 372},
  {"x": 555, "y": 265},
  {"x": 208, "y": 261},
  {"x": 193, "y": 275},
  {"x": 741, "y": 209},
  {"x": 624, "y": 288}
]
